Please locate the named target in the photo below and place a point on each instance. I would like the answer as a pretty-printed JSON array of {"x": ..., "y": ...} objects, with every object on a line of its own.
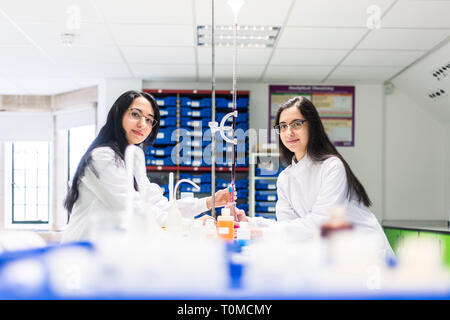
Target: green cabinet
[{"x": 396, "y": 238}]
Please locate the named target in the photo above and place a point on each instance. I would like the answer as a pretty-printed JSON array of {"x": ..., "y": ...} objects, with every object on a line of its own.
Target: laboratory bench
[{"x": 439, "y": 230}]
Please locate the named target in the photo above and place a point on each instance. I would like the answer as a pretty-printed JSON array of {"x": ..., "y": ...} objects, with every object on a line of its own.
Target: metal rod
[{"x": 213, "y": 117}]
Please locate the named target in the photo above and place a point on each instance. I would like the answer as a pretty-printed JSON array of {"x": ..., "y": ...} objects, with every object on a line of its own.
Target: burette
[{"x": 235, "y": 6}]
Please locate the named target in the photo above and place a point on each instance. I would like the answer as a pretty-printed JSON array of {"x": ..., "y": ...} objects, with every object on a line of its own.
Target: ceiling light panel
[{"x": 247, "y": 36}]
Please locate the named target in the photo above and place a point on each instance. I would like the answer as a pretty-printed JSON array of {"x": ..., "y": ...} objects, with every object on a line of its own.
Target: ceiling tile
[
  {"x": 49, "y": 34},
  {"x": 243, "y": 72},
  {"x": 9, "y": 35},
  {"x": 399, "y": 39},
  {"x": 334, "y": 13},
  {"x": 296, "y": 72},
  {"x": 253, "y": 12},
  {"x": 320, "y": 38},
  {"x": 97, "y": 70},
  {"x": 84, "y": 54},
  {"x": 388, "y": 58},
  {"x": 157, "y": 35},
  {"x": 164, "y": 72},
  {"x": 225, "y": 55},
  {"x": 162, "y": 55},
  {"x": 147, "y": 12},
  {"x": 379, "y": 74},
  {"x": 418, "y": 14},
  {"x": 307, "y": 57},
  {"x": 45, "y": 11}
]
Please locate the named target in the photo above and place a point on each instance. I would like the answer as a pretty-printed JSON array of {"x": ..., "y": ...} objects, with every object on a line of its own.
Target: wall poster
[{"x": 335, "y": 104}]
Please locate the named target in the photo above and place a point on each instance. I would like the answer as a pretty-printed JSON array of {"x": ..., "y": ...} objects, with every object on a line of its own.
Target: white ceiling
[{"x": 320, "y": 40}]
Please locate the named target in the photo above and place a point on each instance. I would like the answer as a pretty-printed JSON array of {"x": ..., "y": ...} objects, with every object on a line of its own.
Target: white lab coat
[
  {"x": 104, "y": 196},
  {"x": 307, "y": 190}
]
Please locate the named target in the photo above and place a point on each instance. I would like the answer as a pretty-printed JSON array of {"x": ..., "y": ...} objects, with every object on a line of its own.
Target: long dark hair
[
  {"x": 111, "y": 135},
  {"x": 319, "y": 147}
]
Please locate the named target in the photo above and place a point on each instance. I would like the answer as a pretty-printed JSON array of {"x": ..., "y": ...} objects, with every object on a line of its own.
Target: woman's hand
[
  {"x": 240, "y": 215},
  {"x": 222, "y": 197},
  {"x": 207, "y": 217}
]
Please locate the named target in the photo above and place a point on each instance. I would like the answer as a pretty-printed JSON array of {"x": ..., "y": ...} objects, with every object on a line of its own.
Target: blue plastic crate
[
  {"x": 198, "y": 179},
  {"x": 266, "y": 185},
  {"x": 266, "y": 195},
  {"x": 242, "y": 183},
  {"x": 268, "y": 172},
  {"x": 154, "y": 161},
  {"x": 241, "y": 103},
  {"x": 168, "y": 112},
  {"x": 266, "y": 215},
  {"x": 188, "y": 161},
  {"x": 242, "y": 194},
  {"x": 168, "y": 122},
  {"x": 165, "y": 136},
  {"x": 242, "y": 117},
  {"x": 195, "y": 113},
  {"x": 265, "y": 207},
  {"x": 206, "y": 102},
  {"x": 188, "y": 141},
  {"x": 166, "y": 102},
  {"x": 158, "y": 151},
  {"x": 194, "y": 123},
  {"x": 242, "y": 206}
]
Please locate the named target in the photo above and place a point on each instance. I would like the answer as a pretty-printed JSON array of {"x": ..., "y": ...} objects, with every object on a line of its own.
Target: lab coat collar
[{"x": 304, "y": 162}]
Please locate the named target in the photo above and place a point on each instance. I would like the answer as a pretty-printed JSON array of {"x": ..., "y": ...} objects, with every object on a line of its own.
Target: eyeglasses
[
  {"x": 136, "y": 115},
  {"x": 295, "y": 125}
]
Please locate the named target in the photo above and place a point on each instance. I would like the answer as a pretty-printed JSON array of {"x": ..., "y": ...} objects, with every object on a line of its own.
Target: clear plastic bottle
[
  {"x": 243, "y": 234},
  {"x": 210, "y": 229}
]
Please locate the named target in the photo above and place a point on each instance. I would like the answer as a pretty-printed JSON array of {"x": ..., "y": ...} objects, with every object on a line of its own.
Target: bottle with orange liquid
[{"x": 225, "y": 225}]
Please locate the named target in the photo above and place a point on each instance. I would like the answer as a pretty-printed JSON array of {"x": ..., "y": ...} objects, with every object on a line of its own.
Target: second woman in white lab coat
[
  {"x": 316, "y": 179},
  {"x": 99, "y": 190}
]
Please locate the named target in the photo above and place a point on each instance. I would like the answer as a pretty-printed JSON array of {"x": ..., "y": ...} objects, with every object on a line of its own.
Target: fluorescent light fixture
[{"x": 247, "y": 36}]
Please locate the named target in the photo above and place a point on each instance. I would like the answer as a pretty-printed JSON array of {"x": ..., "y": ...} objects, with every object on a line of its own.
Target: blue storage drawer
[
  {"x": 196, "y": 113},
  {"x": 187, "y": 141},
  {"x": 198, "y": 179},
  {"x": 205, "y": 188},
  {"x": 242, "y": 183},
  {"x": 206, "y": 102},
  {"x": 241, "y": 103},
  {"x": 268, "y": 172},
  {"x": 242, "y": 194},
  {"x": 187, "y": 161},
  {"x": 266, "y": 195},
  {"x": 242, "y": 117},
  {"x": 166, "y": 102},
  {"x": 165, "y": 136},
  {"x": 265, "y": 207},
  {"x": 168, "y": 112},
  {"x": 158, "y": 151},
  {"x": 152, "y": 161},
  {"x": 194, "y": 123},
  {"x": 168, "y": 122},
  {"x": 266, "y": 215},
  {"x": 266, "y": 185},
  {"x": 242, "y": 206}
]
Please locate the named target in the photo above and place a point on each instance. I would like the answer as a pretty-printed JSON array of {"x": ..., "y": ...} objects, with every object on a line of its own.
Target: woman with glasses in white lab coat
[
  {"x": 317, "y": 178},
  {"x": 98, "y": 193}
]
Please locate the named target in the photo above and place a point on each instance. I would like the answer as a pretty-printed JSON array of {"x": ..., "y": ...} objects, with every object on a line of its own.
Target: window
[
  {"x": 79, "y": 139},
  {"x": 30, "y": 182}
]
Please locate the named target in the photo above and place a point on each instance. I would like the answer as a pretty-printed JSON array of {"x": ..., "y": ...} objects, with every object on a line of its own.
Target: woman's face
[
  {"x": 294, "y": 133},
  {"x": 137, "y": 121}
]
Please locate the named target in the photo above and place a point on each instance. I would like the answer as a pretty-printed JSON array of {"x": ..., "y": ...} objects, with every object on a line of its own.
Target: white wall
[{"x": 415, "y": 162}]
